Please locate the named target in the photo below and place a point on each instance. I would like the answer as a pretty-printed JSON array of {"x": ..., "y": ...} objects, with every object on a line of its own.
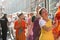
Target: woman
[
  {"x": 56, "y": 30},
  {"x": 30, "y": 27},
  {"x": 46, "y": 25},
  {"x": 20, "y": 28},
  {"x": 36, "y": 27}
]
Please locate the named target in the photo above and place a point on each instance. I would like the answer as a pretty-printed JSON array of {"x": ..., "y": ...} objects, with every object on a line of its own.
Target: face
[
  {"x": 31, "y": 14},
  {"x": 28, "y": 15},
  {"x": 44, "y": 13},
  {"x": 21, "y": 17}
]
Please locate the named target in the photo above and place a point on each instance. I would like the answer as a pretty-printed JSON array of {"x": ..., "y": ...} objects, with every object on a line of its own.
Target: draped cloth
[
  {"x": 56, "y": 30},
  {"x": 17, "y": 26}
]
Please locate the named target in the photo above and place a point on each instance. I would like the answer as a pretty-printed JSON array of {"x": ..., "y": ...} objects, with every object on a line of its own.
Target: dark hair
[
  {"x": 20, "y": 14},
  {"x": 33, "y": 18},
  {"x": 40, "y": 12},
  {"x": 4, "y": 16}
]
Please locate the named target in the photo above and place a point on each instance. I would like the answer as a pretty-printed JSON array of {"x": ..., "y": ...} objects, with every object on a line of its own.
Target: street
[{"x": 8, "y": 37}]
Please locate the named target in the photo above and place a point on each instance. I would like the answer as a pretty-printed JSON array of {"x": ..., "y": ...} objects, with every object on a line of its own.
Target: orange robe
[
  {"x": 56, "y": 30},
  {"x": 20, "y": 36}
]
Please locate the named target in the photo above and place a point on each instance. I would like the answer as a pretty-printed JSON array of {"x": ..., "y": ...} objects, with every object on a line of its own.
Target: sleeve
[
  {"x": 15, "y": 25},
  {"x": 42, "y": 23}
]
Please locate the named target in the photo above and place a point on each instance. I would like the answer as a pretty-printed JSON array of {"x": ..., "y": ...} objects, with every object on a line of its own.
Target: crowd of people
[
  {"x": 39, "y": 26},
  {"x": 34, "y": 27}
]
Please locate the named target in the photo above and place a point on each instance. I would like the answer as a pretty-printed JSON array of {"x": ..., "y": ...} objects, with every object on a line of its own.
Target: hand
[
  {"x": 55, "y": 23},
  {"x": 50, "y": 28}
]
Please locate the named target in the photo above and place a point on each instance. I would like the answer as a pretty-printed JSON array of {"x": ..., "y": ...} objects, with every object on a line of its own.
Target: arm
[
  {"x": 55, "y": 23},
  {"x": 16, "y": 25},
  {"x": 43, "y": 25},
  {"x": 47, "y": 28}
]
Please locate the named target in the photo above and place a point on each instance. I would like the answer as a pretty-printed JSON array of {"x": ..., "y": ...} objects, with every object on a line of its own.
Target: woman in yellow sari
[{"x": 46, "y": 25}]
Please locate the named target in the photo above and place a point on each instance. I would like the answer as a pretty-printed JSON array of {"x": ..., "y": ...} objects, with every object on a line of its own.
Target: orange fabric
[
  {"x": 58, "y": 10},
  {"x": 16, "y": 25},
  {"x": 57, "y": 29},
  {"x": 22, "y": 35}
]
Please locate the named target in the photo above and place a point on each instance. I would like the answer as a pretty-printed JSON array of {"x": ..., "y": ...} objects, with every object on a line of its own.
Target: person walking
[
  {"x": 20, "y": 26},
  {"x": 30, "y": 27},
  {"x": 56, "y": 30},
  {"x": 4, "y": 26},
  {"x": 36, "y": 27}
]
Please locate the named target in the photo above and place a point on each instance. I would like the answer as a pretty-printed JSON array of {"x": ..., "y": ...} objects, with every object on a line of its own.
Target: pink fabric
[{"x": 30, "y": 27}]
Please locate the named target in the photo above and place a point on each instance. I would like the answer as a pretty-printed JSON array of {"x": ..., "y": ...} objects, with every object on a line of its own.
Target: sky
[
  {"x": 12, "y": 6},
  {"x": 0, "y": 2}
]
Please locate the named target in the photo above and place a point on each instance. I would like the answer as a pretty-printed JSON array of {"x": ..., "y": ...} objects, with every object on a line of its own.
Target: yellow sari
[{"x": 47, "y": 35}]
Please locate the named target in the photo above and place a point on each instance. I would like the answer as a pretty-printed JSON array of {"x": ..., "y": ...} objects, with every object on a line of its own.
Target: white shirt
[{"x": 42, "y": 22}]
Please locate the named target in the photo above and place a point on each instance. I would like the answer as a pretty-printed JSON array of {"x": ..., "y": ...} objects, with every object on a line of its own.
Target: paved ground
[
  {"x": 8, "y": 38},
  {"x": 0, "y": 39}
]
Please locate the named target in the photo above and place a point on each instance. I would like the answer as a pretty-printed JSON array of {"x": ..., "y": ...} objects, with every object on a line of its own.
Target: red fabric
[
  {"x": 16, "y": 26},
  {"x": 56, "y": 30},
  {"x": 58, "y": 16}
]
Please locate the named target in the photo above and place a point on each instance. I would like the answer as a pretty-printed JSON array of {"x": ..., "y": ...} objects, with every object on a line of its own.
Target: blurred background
[{"x": 11, "y": 7}]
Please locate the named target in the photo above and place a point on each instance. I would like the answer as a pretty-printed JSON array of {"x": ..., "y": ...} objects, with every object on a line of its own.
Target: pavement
[{"x": 8, "y": 37}]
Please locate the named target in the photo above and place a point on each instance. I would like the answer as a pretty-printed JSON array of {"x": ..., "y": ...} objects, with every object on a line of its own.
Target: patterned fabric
[
  {"x": 17, "y": 26},
  {"x": 36, "y": 29},
  {"x": 30, "y": 31}
]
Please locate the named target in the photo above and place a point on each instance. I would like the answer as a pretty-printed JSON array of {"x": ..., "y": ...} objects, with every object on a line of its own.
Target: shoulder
[{"x": 42, "y": 22}]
